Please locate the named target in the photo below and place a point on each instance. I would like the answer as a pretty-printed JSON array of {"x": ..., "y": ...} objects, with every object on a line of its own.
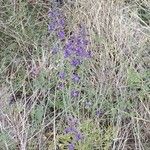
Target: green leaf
[
  {"x": 37, "y": 114},
  {"x": 133, "y": 77}
]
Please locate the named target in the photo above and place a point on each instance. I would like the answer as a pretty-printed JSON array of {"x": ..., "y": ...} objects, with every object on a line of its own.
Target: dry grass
[{"x": 117, "y": 77}]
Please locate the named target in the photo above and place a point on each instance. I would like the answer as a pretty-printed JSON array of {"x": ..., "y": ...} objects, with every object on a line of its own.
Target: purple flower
[
  {"x": 71, "y": 146},
  {"x": 54, "y": 50},
  {"x": 57, "y": 21},
  {"x": 78, "y": 136},
  {"x": 61, "y": 75},
  {"x": 53, "y": 14},
  {"x": 85, "y": 42},
  {"x": 75, "y": 78},
  {"x": 51, "y": 27},
  {"x": 99, "y": 113},
  {"x": 69, "y": 46},
  {"x": 72, "y": 39},
  {"x": 61, "y": 34},
  {"x": 62, "y": 22},
  {"x": 75, "y": 62},
  {"x": 74, "y": 93},
  {"x": 73, "y": 130},
  {"x": 72, "y": 121},
  {"x": 67, "y": 53},
  {"x": 70, "y": 130},
  {"x": 82, "y": 30},
  {"x": 79, "y": 41},
  {"x": 88, "y": 54},
  {"x": 80, "y": 51}
]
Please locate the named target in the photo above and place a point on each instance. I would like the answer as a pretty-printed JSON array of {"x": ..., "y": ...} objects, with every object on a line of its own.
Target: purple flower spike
[
  {"x": 74, "y": 93},
  {"x": 71, "y": 146},
  {"x": 57, "y": 21},
  {"x": 61, "y": 75},
  {"x": 61, "y": 34},
  {"x": 75, "y": 62},
  {"x": 75, "y": 78}
]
